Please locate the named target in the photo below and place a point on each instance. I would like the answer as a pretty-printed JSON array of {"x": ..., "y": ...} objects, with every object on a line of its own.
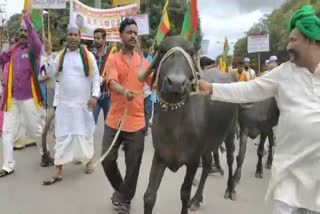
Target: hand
[
  {"x": 205, "y": 88},
  {"x": 42, "y": 79},
  {"x": 26, "y": 12},
  {"x": 128, "y": 94},
  {"x": 92, "y": 103}
]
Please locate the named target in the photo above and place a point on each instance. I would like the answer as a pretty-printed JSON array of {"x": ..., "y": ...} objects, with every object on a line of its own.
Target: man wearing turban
[{"x": 295, "y": 178}]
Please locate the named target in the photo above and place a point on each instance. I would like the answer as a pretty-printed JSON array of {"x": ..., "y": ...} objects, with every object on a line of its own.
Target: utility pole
[{"x": 97, "y": 4}]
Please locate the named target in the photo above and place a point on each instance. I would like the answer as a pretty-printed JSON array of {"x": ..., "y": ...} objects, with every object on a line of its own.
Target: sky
[{"x": 219, "y": 18}]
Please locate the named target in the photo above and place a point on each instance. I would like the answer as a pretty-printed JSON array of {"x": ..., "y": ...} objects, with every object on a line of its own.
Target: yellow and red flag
[{"x": 164, "y": 25}]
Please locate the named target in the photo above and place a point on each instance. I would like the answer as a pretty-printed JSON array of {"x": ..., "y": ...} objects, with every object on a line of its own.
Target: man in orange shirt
[
  {"x": 123, "y": 83},
  {"x": 239, "y": 73}
]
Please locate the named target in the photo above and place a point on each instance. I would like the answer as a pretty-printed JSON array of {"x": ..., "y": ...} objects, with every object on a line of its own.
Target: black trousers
[{"x": 133, "y": 144}]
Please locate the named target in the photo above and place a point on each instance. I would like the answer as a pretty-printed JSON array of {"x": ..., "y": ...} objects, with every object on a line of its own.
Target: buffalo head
[{"x": 174, "y": 69}]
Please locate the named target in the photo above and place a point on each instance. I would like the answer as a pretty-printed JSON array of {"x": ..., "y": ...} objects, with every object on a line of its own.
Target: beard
[
  {"x": 293, "y": 54},
  {"x": 246, "y": 67},
  {"x": 97, "y": 45},
  {"x": 23, "y": 39}
]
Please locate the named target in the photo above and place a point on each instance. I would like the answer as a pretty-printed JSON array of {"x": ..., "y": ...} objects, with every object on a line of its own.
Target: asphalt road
[{"x": 23, "y": 193}]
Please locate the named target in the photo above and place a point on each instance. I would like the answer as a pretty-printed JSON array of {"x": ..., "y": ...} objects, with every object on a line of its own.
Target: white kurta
[
  {"x": 295, "y": 178},
  {"x": 75, "y": 125}
]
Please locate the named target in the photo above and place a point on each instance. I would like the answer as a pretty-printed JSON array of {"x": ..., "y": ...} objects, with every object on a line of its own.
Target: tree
[
  {"x": 276, "y": 25},
  {"x": 13, "y": 25}
]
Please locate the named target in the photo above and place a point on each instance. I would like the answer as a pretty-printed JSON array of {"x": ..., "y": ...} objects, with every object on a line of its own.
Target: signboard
[
  {"x": 204, "y": 47},
  {"x": 124, "y": 2},
  {"x": 142, "y": 22},
  {"x": 88, "y": 19},
  {"x": 48, "y": 4},
  {"x": 259, "y": 43}
]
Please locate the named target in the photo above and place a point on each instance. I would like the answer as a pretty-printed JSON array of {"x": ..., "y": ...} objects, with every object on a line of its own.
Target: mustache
[
  {"x": 292, "y": 51},
  {"x": 23, "y": 36}
]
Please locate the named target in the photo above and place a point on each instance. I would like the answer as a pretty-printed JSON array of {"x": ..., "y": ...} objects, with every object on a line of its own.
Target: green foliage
[
  {"x": 13, "y": 25},
  {"x": 276, "y": 25}
]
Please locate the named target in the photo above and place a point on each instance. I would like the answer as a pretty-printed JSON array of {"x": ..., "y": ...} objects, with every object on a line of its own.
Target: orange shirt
[
  {"x": 126, "y": 75},
  {"x": 242, "y": 78}
]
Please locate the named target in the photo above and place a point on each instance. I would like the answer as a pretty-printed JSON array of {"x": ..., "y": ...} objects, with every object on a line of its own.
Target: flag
[
  {"x": 164, "y": 25},
  {"x": 36, "y": 15},
  {"x": 223, "y": 59},
  {"x": 190, "y": 22},
  {"x": 49, "y": 28},
  {"x": 27, "y": 4},
  {"x": 222, "y": 65}
]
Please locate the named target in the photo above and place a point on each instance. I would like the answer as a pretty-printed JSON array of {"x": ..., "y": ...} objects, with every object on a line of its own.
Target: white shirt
[
  {"x": 295, "y": 177},
  {"x": 251, "y": 74},
  {"x": 146, "y": 90},
  {"x": 75, "y": 90}
]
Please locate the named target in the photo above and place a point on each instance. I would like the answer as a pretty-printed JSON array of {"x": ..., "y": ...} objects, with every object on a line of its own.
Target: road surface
[{"x": 23, "y": 193}]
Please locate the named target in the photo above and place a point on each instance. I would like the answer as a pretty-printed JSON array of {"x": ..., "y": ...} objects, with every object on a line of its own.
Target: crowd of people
[{"x": 86, "y": 82}]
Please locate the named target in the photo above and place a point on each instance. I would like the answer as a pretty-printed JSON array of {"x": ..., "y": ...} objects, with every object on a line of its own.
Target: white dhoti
[
  {"x": 73, "y": 148},
  {"x": 33, "y": 119},
  {"x": 74, "y": 124},
  {"x": 74, "y": 134}
]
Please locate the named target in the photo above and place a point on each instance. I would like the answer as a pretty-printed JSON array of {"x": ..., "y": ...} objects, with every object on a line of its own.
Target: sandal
[
  {"x": 4, "y": 173},
  {"x": 52, "y": 180}
]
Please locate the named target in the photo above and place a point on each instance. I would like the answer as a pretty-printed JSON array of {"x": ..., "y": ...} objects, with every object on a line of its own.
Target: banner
[
  {"x": 204, "y": 47},
  {"x": 142, "y": 22},
  {"x": 124, "y": 2},
  {"x": 88, "y": 19},
  {"x": 48, "y": 4}
]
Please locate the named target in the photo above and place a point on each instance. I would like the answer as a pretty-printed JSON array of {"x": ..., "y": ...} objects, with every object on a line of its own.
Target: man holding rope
[
  {"x": 126, "y": 106},
  {"x": 295, "y": 178}
]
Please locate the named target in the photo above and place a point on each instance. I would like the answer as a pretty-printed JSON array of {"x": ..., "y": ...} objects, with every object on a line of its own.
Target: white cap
[
  {"x": 246, "y": 59},
  {"x": 72, "y": 25},
  {"x": 266, "y": 62},
  {"x": 273, "y": 58},
  {"x": 23, "y": 25}
]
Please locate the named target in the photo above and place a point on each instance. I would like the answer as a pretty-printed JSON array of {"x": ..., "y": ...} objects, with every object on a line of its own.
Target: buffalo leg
[
  {"x": 260, "y": 152},
  {"x": 216, "y": 158},
  {"x": 270, "y": 154},
  {"x": 198, "y": 197},
  {"x": 45, "y": 134},
  {"x": 185, "y": 191},
  {"x": 241, "y": 155},
  {"x": 230, "y": 191},
  {"x": 156, "y": 174}
]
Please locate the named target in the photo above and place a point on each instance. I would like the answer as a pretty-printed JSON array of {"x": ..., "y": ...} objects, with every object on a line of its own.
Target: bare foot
[{"x": 89, "y": 168}]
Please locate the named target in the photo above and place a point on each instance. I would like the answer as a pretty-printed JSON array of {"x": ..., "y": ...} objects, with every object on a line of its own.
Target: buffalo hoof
[
  {"x": 230, "y": 195},
  {"x": 221, "y": 171},
  {"x": 195, "y": 202},
  {"x": 194, "y": 205},
  {"x": 46, "y": 161},
  {"x": 259, "y": 175},
  {"x": 236, "y": 178},
  {"x": 268, "y": 165}
]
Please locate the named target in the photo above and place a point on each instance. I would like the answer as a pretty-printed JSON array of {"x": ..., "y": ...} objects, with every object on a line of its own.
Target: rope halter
[{"x": 165, "y": 105}]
